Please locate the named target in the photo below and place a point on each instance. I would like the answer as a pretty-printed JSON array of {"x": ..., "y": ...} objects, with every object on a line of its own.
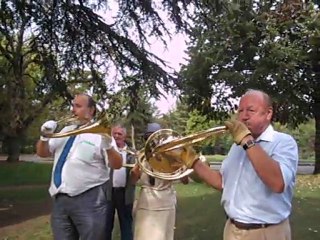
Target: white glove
[
  {"x": 47, "y": 128},
  {"x": 107, "y": 142}
]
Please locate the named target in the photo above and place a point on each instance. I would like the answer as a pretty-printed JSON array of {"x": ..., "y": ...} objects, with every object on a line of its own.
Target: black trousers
[{"x": 124, "y": 213}]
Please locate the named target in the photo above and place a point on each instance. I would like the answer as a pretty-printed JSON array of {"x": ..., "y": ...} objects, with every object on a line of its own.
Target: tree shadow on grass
[
  {"x": 199, "y": 213},
  {"x": 18, "y": 204},
  {"x": 305, "y": 218}
]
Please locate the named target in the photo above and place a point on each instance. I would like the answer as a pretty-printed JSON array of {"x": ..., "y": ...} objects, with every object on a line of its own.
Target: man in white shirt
[
  {"x": 79, "y": 175},
  {"x": 120, "y": 189}
]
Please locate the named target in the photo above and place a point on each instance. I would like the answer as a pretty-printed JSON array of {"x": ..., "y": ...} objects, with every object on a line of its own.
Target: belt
[
  {"x": 249, "y": 226},
  {"x": 118, "y": 188},
  {"x": 62, "y": 195}
]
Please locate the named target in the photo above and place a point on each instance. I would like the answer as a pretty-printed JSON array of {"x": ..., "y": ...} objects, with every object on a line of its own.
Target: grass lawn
[
  {"x": 199, "y": 214},
  {"x": 215, "y": 158},
  {"x": 24, "y": 173}
]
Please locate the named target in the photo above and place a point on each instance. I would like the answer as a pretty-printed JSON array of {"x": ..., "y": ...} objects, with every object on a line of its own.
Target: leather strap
[{"x": 249, "y": 226}]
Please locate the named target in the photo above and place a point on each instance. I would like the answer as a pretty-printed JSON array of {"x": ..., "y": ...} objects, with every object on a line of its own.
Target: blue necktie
[{"x": 61, "y": 161}]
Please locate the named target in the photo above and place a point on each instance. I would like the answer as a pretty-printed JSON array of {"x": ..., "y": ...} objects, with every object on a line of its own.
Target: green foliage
[
  {"x": 215, "y": 158},
  {"x": 215, "y": 144},
  {"x": 189, "y": 122},
  {"x": 304, "y": 134},
  {"x": 131, "y": 107},
  {"x": 52, "y": 49},
  {"x": 245, "y": 47},
  {"x": 177, "y": 118},
  {"x": 272, "y": 46},
  {"x": 70, "y": 38}
]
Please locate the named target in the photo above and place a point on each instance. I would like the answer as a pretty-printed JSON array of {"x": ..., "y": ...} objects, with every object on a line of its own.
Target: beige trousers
[
  {"x": 280, "y": 231},
  {"x": 154, "y": 224}
]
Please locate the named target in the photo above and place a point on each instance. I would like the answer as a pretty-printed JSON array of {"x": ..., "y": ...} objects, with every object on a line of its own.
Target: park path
[
  {"x": 303, "y": 168},
  {"x": 28, "y": 158}
]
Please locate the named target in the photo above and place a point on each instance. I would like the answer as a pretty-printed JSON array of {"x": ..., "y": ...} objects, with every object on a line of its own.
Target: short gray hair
[
  {"x": 120, "y": 125},
  {"x": 267, "y": 99}
]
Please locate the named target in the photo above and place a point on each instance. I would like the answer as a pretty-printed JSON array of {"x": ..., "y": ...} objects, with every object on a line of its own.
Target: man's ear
[
  {"x": 92, "y": 111},
  {"x": 269, "y": 113}
]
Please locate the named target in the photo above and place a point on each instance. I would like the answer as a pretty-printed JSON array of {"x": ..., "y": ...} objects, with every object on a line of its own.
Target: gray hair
[
  {"x": 266, "y": 98},
  {"x": 120, "y": 125}
]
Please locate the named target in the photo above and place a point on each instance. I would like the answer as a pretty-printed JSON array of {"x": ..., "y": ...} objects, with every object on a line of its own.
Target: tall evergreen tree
[
  {"x": 268, "y": 45},
  {"x": 64, "y": 37}
]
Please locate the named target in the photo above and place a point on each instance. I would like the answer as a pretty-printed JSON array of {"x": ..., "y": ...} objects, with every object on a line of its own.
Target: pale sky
[{"x": 173, "y": 54}]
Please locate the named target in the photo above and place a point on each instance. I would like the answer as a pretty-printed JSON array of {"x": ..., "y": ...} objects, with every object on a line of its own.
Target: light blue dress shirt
[{"x": 245, "y": 197}]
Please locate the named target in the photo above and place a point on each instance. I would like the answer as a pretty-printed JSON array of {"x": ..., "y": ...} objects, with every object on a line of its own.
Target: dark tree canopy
[
  {"x": 49, "y": 47},
  {"x": 268, "y": 45}
]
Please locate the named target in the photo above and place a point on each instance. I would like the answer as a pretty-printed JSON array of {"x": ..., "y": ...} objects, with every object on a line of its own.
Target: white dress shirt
[
  {"x": 85, "y": 166},
  {"x": 119, "y": 175}
]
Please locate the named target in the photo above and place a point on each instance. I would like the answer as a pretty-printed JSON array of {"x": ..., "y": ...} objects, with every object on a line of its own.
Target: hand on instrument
[
  {"x": 108, "y": 142},
  {"x": 238, "y": 130},
  {"x": 47, "y": 128},
  {"x": 136, "y": 170},
  {"x": 187, "y": 155},
  {"x": 135, "y": 174}
]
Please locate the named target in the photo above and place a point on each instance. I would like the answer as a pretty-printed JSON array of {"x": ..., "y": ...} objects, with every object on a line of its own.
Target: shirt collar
[
  {"x": 267, "y": 135},
  {"x": 124, "y": 148}
]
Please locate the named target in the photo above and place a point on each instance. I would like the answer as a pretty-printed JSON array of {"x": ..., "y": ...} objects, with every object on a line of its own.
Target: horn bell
[{"x": 165, "y": 149}]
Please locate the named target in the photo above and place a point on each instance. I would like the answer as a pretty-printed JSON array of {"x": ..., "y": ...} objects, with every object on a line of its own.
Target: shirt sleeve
[
  {"x": 52, "y": 145},
  {"x": 286, "y": 154}
]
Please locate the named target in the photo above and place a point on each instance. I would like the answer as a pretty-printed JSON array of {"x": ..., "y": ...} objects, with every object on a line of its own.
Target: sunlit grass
[
  {"x": 34, "y": 229},
  {"x": 215, "y": 158},
  {"x": 199, "y": 213},
  {"x": 24, "y": 173}
]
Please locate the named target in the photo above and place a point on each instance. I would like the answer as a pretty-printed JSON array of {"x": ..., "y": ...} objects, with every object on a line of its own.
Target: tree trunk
[
  {"x": 315, "y": 61},
  {"x": 13, "y": 146},
  {"x": 317, "y": 145}
]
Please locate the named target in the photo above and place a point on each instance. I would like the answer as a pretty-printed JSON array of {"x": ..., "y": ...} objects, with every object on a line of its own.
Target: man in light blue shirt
[
  {"x": 258, "y": 176},
  {"x": 246, "y": 197}
]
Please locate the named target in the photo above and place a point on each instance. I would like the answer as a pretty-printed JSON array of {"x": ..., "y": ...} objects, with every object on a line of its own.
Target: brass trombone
[{"x": 155, "y": 152}]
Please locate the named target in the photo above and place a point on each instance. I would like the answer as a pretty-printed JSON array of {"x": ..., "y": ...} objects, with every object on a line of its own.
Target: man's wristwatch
[{"x": 250, "y": 143}]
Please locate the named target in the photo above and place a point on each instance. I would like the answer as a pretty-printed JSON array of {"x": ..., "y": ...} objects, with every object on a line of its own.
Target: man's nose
[{"x": 243, "y": 116}]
